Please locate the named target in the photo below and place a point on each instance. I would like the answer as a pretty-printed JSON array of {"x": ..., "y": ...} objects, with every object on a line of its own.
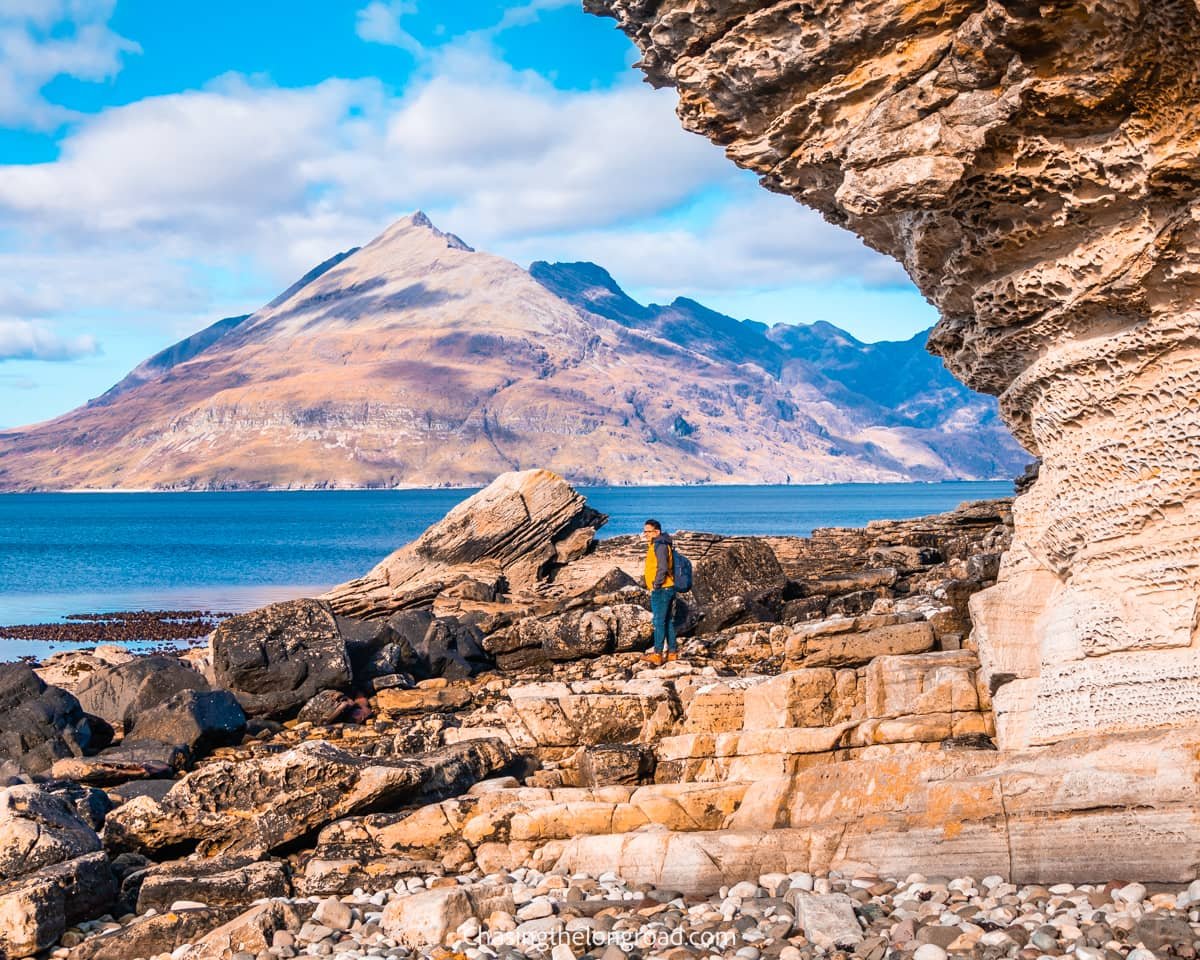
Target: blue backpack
[{"x": 681, "y": 570}]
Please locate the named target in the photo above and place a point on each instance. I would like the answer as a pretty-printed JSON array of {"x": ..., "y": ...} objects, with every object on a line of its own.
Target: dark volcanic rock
[
  {"x": 121, "y": 692},
  {"x": 89, "y": 804},
  {"x": 325, "y": 708},
  {"x": 253, "y": 807},
  {"x": 737, "y": 580},
  {"x": 197, "y": 721},
  {"x": 277, "y": 658},
  {"x": 42, "y": 724}
]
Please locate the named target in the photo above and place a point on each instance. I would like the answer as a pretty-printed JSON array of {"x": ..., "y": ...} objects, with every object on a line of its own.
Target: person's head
[{"x": 651, "y": 529}]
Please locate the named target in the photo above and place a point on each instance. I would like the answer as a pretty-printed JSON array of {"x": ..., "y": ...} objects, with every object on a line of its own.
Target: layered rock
[
  {"x": 1034, "y": 169},
  {"x": 504, "y": 539}
]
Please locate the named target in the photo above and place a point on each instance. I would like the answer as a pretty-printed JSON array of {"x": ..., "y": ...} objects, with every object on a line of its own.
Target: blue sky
[{"x": 166, "y": 164}]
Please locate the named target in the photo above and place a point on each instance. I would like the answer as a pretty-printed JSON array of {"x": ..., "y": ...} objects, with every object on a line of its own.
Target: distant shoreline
[{"x": 448, "y": 487}]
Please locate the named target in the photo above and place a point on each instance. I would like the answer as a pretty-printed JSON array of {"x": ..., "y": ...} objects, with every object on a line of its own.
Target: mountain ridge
[{"x": 417, "y": 361}]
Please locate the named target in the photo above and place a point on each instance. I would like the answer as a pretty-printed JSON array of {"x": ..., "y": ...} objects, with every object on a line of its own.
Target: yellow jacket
[{"x": 660, "y": 554}]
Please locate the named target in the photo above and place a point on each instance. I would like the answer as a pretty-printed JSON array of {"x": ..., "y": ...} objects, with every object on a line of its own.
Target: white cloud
[
  {"x": 44, "y": 39},
  {"x": 23, "y": 340},
  {"x": 379, "y": 22},
  {"x": 756, "y": 241}
]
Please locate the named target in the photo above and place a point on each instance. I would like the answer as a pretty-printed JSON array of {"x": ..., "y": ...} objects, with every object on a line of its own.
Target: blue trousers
[{"x": 662, "y": 606}]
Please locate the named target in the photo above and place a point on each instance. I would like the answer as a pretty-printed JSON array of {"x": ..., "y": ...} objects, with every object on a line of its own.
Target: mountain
[{"x": 416, "y": 360}]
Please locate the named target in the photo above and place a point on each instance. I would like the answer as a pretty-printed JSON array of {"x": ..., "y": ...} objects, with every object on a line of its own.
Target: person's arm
[{"x": 662, "y": 561}]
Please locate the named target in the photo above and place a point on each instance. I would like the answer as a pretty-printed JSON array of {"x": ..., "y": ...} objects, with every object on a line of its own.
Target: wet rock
[
  {"x": 39, "y": 829},
  {"x": 121, "y": 692},
  {"x": 43, "y": 724},
  {"x": 198, "y": 721},
  {"x": 253, "y": 807},
  {"x": 276, "y": 659}
]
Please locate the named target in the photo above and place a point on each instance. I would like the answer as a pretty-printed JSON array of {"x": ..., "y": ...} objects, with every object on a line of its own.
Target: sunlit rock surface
[{"x": 1035, "y": 169}]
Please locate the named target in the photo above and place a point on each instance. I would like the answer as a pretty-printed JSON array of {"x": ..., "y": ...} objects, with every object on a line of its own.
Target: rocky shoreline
[{"x": 465, "y": 746}]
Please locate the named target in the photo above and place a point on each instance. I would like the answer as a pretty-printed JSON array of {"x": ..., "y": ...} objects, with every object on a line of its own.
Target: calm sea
[{"x": 85, "y": 553}]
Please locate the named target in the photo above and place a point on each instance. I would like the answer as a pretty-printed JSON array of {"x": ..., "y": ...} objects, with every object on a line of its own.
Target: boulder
[
  {"x": 37, "y": 908},
  {"x": 120, "y": 692},
  {"x": 614, "y": 763},
  {"x": 220, "y": 882},
  {"x": 249, "y": 933},
  {"x": 154, "y": 935},
  {"x": 198, "y": 721},
  {"x": 129, "y": 760},
  {"x": 506, "y": 535},
  {"x": 252, "y": 807},
  {"x": 427, "y": 917},
  {"x": 827, "y": 920},
  {"x": 277, "y": 658},
  {"x": 572, "y": 635},
  {"x": 737, "y": 580},
  {"x": 39, "y": 829},
  {"x": 43, "y": 724},
  {"x": 328, "y": 706},
  {"x": 89, "y": 804}
]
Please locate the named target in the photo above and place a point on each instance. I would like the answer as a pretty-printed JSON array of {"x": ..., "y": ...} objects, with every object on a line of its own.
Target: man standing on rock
[{"x": 660, "y": 581}]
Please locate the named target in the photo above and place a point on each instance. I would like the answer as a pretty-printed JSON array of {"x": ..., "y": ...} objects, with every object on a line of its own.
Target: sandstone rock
[
  {"x": 197, "y": 721},
  {"x": 816, "y": 646},
  {"x": 154, "y": 935},
  {"x": 735, "y": 580},
  {"x": 38, "y": 829},
  {"x": 252, "y": 807},
  {"x": 420, "y": 701},
  {"x": 220, "y": 882},
  {"x": 1050, "y": 230},
  {"x": 251, "y": 932},
  {"x": 36, "y": 908},
  {"x": 610, "y": 763},
  {"x": 277, "y": 658},
  {"x": 507, "y": 531},
  {"x": 43, "y": 724},
  {"x": 121, "y": 692},
  {"x": 425, "y": 919},
  {"x": 827, "y": 920}
]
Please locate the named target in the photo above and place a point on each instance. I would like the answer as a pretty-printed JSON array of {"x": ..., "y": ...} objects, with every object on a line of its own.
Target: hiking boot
[
  {"x": 673, "y": 655},
  {"x": 654, "y": 658}
]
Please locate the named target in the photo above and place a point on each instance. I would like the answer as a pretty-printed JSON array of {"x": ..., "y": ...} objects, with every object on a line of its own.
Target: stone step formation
[{"x": 464, "y": 752}]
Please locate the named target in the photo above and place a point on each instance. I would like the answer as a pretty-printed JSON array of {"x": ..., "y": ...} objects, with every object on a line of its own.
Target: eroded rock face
[{"x": 1035, "y": 169}]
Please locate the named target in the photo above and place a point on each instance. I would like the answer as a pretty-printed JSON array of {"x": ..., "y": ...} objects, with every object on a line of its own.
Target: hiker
[{"x": 660, "y": 581}]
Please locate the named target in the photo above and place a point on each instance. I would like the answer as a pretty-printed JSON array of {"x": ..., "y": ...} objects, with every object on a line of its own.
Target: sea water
[{"x": 229, "y": 552}]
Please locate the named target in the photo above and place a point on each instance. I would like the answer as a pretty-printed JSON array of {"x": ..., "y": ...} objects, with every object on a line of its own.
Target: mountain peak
[{"x": 418, "y": 223}]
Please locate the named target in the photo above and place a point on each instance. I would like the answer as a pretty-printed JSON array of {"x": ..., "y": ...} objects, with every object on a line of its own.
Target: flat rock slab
[
  {"x": 253, "y": 807},
  {"x": 828, "y": 920}
]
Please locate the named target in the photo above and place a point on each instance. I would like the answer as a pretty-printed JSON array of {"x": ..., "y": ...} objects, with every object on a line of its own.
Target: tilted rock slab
[
  {"x": 250, "y": 808},
  {"x": 1035, "y": 168},
  {"x": 505, "y": 537}
]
